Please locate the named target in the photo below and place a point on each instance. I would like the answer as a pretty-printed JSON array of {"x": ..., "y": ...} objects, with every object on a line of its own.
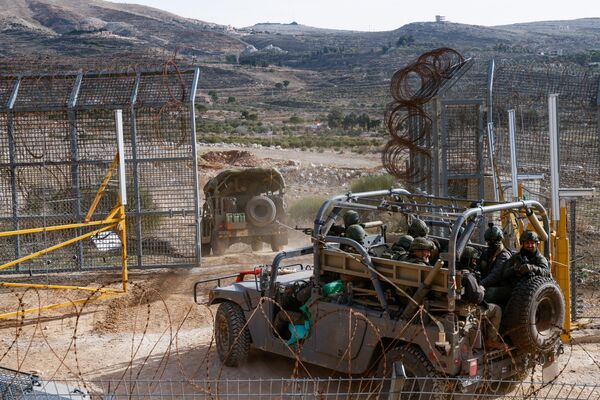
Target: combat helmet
[
  {"x": 420, "y": 243},
  {"x": 468, "y": 255},
  {"x": 529, "y": 235},
  {"x": 418, "y": 228},
  {"x": 351, "y": 217},
  {"x": 403, "y": 243},
  {"x": 493, "y": 234},
  {"x": 356, "y": 232}
]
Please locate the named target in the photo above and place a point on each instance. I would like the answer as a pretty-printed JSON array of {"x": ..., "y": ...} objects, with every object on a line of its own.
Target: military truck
[
  {"x": 386, "y": 311},
  {"x": 244, "y": 205}
]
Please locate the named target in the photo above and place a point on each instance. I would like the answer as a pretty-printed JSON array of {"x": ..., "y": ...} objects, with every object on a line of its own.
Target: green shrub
[
  {"x": 372, "y": 182},
  {"x": 305, "y": 209}
]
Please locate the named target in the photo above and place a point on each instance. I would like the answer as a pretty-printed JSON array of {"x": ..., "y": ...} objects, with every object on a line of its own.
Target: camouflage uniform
[
  {"x": 418, "y": 228},
  {"x": 420, "y": 243},
  {"x": 493, "y": 258},
  {"x": 518, "y": 267}
]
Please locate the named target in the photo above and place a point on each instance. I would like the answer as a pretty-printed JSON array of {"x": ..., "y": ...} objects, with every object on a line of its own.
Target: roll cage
[{"x": 460, "y": 217}]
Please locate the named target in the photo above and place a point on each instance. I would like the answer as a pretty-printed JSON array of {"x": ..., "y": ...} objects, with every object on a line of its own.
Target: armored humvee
[
  {"x": 244, "y": 205},
  {"x": 387, "y": 311}
]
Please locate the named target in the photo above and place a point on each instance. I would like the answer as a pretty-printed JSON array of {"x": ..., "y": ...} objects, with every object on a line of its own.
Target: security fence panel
[
  {"x": 462, "y": 146},
  {"x": 525, "y": 87},
  {"x": 57, "y": 142}
]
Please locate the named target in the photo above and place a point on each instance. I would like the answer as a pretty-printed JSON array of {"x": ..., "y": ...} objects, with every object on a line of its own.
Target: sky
[{"x": 374, "y": 15}]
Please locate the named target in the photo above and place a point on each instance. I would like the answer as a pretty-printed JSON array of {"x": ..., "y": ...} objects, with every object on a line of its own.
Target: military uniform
[
  {"x": 491, "y": 264},
  {"x": 519, "y": 266}
]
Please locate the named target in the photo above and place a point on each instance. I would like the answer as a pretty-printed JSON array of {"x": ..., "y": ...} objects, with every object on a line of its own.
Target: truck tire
[
  {"x": 219, "y": 245},
  {"x": 277, "y": 242},
  {"x": 260, "y": 211},
  {"x": 231, "y": 335},
  {"x": 256, "y": 245},
  {"x": 534, "y": 314},
  {"x": 416, "y": 365}
]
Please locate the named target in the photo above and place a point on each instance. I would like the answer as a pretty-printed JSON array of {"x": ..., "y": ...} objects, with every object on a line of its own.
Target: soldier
[
  {"x": 469, "y": 258},
  {"x": 420, "y": 251},
  {"x": 493, "y": 258},
  {"x": 527, "y": 262},
  {"x": 351, "y": 217},
  {"x": 418, "y": 228},
  {"x": 472, "y": 291},
  {"x": 355, "y": 232},
  {"x": 399, "y": 249}
]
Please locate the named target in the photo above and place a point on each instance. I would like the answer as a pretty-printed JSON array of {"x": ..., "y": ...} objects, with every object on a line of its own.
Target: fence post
[
  {"x": 75, "y": 183},
  {"x": 136, "y": 178},
  {"x": 398, "y": 378},
  {"x": 10, "y": 128},
  {"x": 192, "y": 105}
]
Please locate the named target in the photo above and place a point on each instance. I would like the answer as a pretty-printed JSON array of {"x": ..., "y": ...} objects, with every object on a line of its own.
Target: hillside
[{"x": 323, "y": 68}]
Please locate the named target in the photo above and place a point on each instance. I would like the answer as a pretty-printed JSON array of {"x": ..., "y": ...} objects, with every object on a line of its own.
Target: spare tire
[
  {"x": 260, "y": 211},
  {"x": 534, "y": 314}
]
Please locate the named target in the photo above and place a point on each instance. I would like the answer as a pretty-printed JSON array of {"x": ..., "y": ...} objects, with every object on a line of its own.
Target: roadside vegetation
[
  {"x": 303, "y": 141},
  {"x": 373, "y": 182},
  {"x": 303, "y": 211}
]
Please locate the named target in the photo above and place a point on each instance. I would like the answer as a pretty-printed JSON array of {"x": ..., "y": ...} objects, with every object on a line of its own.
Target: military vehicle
[
  {"x": 357, "y": 312},
  {"x": 244, "y": 205}
]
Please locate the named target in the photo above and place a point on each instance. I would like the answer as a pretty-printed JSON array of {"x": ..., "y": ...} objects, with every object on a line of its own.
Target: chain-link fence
[
  {"x": 294, "y": 388},
  {"x": 57, "y": 141},
  {"x": 483, "y": 96}
]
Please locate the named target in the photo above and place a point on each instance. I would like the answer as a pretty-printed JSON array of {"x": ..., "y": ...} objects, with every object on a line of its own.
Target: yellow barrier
[{"x": 114, "y": 219}]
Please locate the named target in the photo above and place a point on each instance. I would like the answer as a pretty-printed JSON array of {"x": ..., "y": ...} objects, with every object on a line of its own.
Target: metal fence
[
  {"x": 482, "y": 96},
  {"x": 294, "y": 388},
  {"x": 57, "y": 140}
]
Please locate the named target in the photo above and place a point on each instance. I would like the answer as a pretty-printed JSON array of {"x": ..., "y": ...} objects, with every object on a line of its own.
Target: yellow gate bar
[
  {"x": 43, "y": 286},
  {"x": 51, "y": 306},
  {"x": 56, "y": 247},
  {"x": 59, "y": 227}
]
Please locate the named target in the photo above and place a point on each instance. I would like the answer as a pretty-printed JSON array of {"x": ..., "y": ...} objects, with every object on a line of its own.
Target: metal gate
[
  {"x": 462, "y": 149},
  {"x": 58, "y": 138}
]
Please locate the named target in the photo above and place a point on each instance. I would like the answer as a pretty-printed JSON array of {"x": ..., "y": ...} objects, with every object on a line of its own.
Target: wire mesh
[
  {"x": 28, "y": 387},
  {"x": 56, "y": 144},
  {"x": 524, "y": 87}
]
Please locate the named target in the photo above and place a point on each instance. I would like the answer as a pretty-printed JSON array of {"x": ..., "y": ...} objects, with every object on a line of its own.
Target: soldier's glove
[{"x": 523, "y": 269}]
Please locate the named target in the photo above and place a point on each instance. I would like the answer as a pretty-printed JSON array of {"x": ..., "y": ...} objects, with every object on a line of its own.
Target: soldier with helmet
[
  {"x": 527, "y": 262},
  {"x": 357, "y": 233},
  {"x": 420, "y": 251},
  {"x": 493, "y": 258},
  {"x": 419, "y": 229},
  {"x": 350, "y": 218}
]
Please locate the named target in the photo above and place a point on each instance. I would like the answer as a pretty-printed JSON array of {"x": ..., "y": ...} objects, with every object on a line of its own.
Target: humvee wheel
[
  {"x": 231, "y": 335},
  {"x": 218, "y": 246},
  {"x": 427, "y": 384},
  {"x": 535, "y": 314},
  {"x": 277, "y": 243},
  {"x": 256, "y": 245}
]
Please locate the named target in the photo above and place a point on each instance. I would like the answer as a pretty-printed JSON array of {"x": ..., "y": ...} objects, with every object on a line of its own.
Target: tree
[
  {"x": 231, "y": 99},
  {"x": 405, "y": 40},
  {"x": 286, "y": 83},
  {"x": 350, "y": 120},
  {"x": 279, "y": 85},
  {"x": 213, "y": 95},
  {"x": 335, "y": 118},
  {"x": 363, "y": 121}
]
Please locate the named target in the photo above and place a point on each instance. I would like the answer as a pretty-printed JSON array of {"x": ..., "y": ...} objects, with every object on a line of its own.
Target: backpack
[{"x": 472, "y": 291}]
